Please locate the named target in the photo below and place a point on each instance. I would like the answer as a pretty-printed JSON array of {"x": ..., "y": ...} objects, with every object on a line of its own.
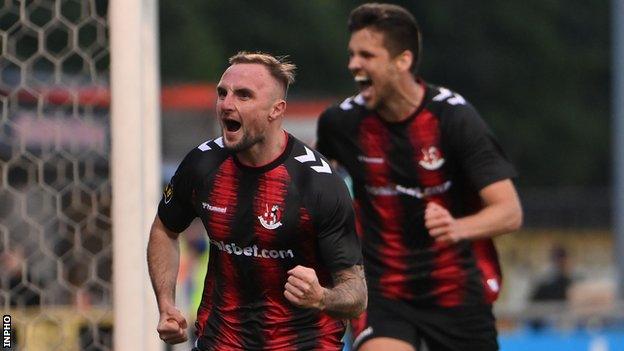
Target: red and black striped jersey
[
  {"x": 262, "y": 222},
  {"x": 443, "y": 152}
]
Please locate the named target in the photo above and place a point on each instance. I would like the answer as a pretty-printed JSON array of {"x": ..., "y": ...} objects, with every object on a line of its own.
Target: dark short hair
[
  {"x": 398, "y": 26},
  {"x": 278, "y": 66}
]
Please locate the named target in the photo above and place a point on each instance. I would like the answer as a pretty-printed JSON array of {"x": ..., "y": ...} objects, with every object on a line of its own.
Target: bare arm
[
  {"x": 347, "y": 299},
  {"x": 163, "y": 259},
  {"x": 501, "y": 213}
]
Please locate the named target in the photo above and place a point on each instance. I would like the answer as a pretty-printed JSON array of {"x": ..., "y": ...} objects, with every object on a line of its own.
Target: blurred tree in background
[{"x": 537, "y": 70}]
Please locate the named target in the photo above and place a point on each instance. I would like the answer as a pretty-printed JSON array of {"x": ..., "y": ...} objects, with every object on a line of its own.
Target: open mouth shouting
[
  {"x": 365, "y": 85},
  {"x": 231, "y": 125},
  {"x": 232, "y": 130}
]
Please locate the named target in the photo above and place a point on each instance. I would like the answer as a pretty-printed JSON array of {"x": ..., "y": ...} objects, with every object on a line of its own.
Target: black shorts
[{"x": 433, "y": 329}]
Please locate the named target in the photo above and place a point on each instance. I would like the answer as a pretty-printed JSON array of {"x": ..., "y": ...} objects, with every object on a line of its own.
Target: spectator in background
[{"x": 554, "y": 287}]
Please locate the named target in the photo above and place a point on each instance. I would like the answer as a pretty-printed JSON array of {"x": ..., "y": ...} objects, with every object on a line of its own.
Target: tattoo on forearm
[{"x": 348, "y": 297}]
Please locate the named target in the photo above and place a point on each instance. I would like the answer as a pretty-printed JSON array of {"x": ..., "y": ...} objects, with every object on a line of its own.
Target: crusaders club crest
[
  {"x": 431, "y": 158},
  {"x": 271, "y": 218}
]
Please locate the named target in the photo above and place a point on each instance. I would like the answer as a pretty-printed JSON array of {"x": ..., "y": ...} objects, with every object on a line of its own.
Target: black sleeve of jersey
[
  {"x": 325, "y": 135},
  {"x": 480, "y": 155},
  {"x": 175, "y": 209},
  {"x": 335, "y": 222}
]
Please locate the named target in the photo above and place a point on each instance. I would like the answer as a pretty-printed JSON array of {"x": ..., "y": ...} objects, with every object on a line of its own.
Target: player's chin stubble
[{"x": 244, "y": 144}]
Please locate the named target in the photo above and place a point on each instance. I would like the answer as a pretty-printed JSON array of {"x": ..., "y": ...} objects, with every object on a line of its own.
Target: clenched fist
[
  {"x": 303, "y": 289},
  {"x": 172, "y": 326},
  {"x": 441, "y": 224}
]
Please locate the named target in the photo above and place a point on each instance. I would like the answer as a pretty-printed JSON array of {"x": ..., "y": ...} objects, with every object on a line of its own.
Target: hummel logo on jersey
[
  {"x": 205, "y": 147},
  {"x": 348, "y": 103},
  {"x": 450, "y": 97},
  {"x": 209, "y": 207},
  {"x": 309, "y": 157},
  {"x": 431, "y": 158},
  {"x": 271, "y": 218}
]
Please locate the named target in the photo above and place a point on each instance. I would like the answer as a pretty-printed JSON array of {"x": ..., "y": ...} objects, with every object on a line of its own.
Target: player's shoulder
[
  {"x": 206, "y": 156},
  {"x": 215, "y": 146},
  {"x": 441, "y": 97},
  {"x": 442, "y": 100},
  {"x": 309, "y": 161},
  {"x": 348, "y": 111},
  {"x": 313, "y": 174}
]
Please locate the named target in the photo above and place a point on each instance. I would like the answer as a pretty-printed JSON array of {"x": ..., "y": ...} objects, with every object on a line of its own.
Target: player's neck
[
  {"x": 266, "y": 151},
  {"x": 403, "y": 101}
]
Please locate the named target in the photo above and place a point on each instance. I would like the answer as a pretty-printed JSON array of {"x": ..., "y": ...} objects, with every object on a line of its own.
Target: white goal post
[{"x": 135, "y": 167}]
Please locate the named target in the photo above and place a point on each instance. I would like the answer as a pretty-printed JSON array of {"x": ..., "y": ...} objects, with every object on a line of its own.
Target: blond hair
[{"x": 278, "y": 66}]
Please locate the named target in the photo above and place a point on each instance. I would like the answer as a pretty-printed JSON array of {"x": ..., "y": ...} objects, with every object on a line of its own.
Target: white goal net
[{"x": 55, "y": 189}]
